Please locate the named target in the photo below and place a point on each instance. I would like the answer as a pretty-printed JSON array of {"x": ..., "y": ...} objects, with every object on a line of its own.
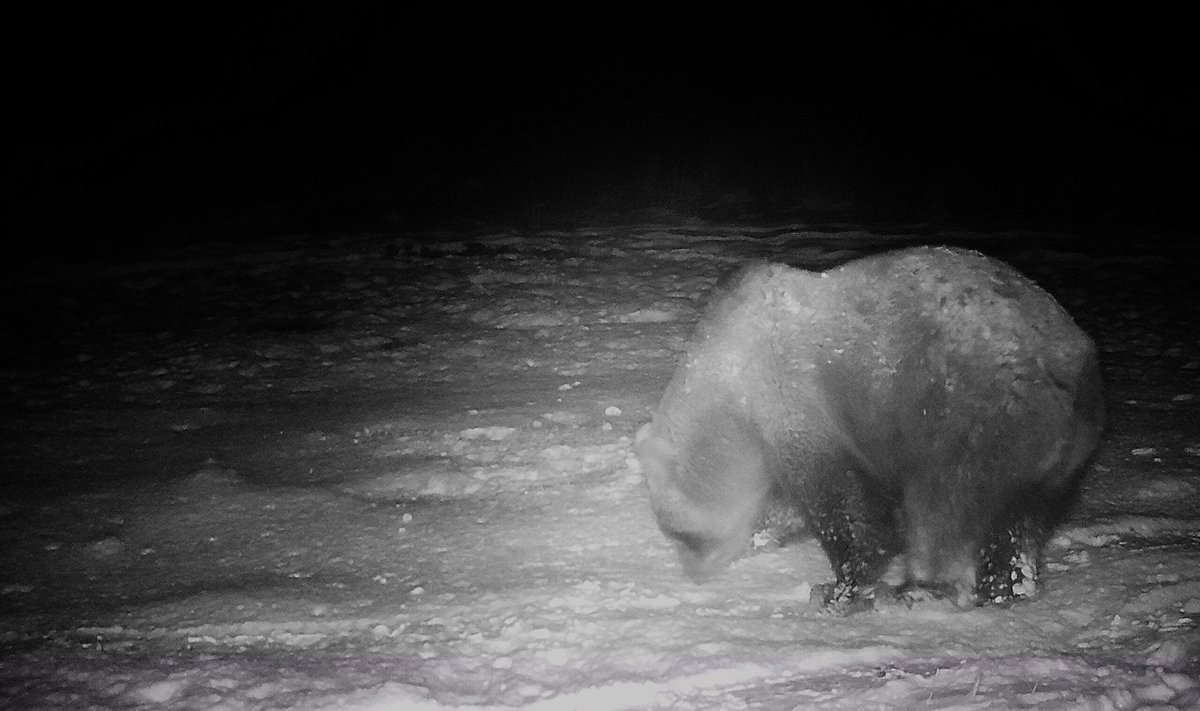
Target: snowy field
[{"x": 377, "y": 472}]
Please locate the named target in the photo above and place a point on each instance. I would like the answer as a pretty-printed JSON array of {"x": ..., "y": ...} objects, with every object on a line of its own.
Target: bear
[{"x": 928, "y": 406}]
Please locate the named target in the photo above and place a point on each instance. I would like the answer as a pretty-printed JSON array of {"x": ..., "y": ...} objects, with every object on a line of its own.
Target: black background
[{"x": 143, "y": 129}]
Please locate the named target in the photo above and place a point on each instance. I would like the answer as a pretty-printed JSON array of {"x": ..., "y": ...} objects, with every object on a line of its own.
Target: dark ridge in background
[{"x": 143, "y": 129}]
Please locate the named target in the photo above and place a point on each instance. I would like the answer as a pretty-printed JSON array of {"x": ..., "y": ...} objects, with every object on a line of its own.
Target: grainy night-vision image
[{"x": 373, "y": 359}]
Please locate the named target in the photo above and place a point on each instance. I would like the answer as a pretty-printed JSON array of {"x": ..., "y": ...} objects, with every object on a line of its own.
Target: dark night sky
[{"x": 182, "y": 127}]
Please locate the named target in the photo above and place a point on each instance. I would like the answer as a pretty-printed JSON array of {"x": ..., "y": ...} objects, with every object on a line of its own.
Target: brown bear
[{"x": 930, "y": 402}]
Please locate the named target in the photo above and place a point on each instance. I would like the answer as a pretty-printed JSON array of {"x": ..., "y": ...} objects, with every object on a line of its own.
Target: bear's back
[{"x": 941, "y": 352}]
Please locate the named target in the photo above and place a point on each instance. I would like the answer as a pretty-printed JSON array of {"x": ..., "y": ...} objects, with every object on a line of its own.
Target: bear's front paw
[{"x": 841, "y": 599}]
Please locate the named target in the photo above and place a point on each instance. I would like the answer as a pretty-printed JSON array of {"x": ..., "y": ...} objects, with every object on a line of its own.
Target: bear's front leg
[{"x": 855, "y": 526}]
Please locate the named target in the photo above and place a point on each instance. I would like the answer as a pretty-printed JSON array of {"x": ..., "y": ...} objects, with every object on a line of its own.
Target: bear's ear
[
  {"x": 656, "y": 456},
  {"x": 647, "y": 444}
]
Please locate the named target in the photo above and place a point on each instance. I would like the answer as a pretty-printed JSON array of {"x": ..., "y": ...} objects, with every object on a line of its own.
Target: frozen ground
[{"x": 380, "y": 473}]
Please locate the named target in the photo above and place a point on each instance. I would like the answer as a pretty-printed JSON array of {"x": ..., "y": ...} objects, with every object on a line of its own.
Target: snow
[{"x": 394, "y": 472}]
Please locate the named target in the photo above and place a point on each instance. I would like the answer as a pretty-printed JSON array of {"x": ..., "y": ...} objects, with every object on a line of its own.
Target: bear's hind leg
[{"x": 1009, "y": 560}]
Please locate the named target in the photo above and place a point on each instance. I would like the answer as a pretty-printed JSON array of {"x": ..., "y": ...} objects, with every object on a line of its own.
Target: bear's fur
[{"x": 929, "y": 401}]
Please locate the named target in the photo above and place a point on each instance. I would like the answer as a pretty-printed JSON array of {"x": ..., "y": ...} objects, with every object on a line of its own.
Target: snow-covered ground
[{"x": 376, "y": 472}]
